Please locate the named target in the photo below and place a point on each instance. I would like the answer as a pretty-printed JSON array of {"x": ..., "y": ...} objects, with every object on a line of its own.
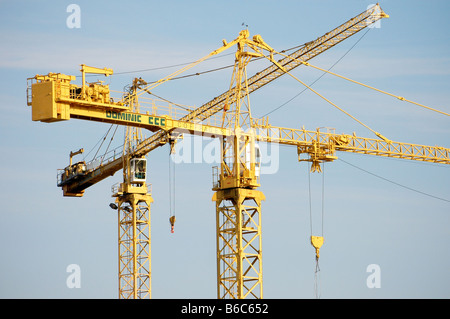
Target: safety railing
[
  {"x": 30, "y": 82},
  {"x": 115, "y": 188},
  {"x": 105, "y": 158}
]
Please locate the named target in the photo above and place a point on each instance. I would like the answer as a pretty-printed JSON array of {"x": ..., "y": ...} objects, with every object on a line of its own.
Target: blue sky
[{"x": 367, "y": 220}]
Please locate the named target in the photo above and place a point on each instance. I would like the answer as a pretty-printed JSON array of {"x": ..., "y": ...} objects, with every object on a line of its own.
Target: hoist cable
[
  {"x": 172, "y": 181},
  {"x": 310, "y": 201},
  {"x": 322, "y": 199},
  {"x": 170, "y": 186},
  {"x": 174, "y": 189},
  {"x": 317, "y": 283},
  {"x": 171, "y": 191},
  {"x": 323, "y": 194}
]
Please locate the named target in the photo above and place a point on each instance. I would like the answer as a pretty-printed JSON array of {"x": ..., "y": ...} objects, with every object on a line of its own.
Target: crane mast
[
  {"x": 238, "y": 203},
  {"x": 133, "y": 201},
  {"x": 54, "y": 97}
]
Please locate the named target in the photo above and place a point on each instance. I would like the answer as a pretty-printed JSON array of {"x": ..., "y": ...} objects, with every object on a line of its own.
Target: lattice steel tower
[{"x": 133, "y": 204}]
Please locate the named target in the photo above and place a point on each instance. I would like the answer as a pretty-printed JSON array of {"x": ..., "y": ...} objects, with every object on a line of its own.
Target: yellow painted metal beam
[
  {"x": 239, "y": 243},
  {"x": 350, "y": 143},
  {"x": 54, "y": 100}
]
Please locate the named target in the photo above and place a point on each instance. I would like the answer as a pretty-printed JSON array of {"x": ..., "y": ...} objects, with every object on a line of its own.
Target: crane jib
[{"x": 136, "y": 118}]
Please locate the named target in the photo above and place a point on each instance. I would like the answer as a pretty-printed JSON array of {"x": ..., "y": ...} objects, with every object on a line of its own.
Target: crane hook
[
  {"x": 317, "y": 242},
  {"x": 172, "y": 223}
]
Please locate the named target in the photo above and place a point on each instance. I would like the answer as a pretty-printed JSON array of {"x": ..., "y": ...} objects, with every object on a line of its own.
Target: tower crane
[{"x": 54, "y": 97}]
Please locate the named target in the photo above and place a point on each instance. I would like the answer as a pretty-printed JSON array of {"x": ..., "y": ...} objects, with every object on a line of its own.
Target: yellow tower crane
[{"x": 228, "y": 117}]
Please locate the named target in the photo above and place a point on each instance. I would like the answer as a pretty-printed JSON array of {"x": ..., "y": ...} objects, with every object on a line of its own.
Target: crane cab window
[{"x": 138, "y": 169}]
